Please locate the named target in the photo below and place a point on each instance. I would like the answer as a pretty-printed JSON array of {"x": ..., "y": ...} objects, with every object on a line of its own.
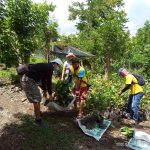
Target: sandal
[{"x": 80, "y": 115}]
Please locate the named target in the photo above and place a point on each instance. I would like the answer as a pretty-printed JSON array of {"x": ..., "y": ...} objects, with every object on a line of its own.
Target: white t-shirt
[{"x": 66, "y": 66}]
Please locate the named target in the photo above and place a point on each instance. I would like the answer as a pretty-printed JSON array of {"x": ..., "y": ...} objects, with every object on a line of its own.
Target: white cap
[{"x": 58, "y": 61}]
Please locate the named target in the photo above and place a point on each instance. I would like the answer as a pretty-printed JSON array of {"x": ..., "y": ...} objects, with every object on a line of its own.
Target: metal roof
[{"x": 63, "y": 52}]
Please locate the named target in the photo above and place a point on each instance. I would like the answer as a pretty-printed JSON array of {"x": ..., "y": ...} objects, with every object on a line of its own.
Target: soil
[{"x": 13, "y": 103}]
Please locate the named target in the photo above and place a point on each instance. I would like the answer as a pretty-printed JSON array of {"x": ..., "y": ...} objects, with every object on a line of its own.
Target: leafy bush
[
  {"x": 62, "y": 93},
  {"x": 8, "y": 76},
  {"x": 145, "y": 103},
  {"x": 104, "y": 94}
]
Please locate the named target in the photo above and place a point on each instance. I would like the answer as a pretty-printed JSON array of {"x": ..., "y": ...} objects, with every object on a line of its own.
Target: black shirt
[{"x": 42, "y": 72}]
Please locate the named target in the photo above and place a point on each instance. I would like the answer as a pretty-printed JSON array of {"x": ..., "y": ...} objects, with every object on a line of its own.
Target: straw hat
[{"x": 70, "y": 55}]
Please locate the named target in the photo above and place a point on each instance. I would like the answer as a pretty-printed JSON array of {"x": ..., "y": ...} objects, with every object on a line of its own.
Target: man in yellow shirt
[
  {"x": 136, "y": 93},
  {"x": 80, "y": 83}
]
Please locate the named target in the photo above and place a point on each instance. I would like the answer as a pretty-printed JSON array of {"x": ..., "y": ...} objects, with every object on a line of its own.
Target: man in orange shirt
[{"x": 136, "y": 93}]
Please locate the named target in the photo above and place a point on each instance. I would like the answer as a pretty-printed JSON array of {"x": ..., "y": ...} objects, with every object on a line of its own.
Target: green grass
[
  {"x": 7, "y": 73},
  {"x": 8, "y": 76},
  {"x": 55, "y": 136},
  {"x": 34, "y": 60}
]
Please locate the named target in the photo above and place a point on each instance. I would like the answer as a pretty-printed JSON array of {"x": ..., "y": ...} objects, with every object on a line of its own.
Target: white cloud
[
  {"x": 137, "y": 12},
  {"x": 61, "y": 15},
  {"x": 132, "y": 27}
]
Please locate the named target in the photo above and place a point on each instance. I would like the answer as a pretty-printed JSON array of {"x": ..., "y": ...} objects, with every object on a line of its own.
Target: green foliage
[
  {"x": 8, "y": 42},
  {"x": 145, "y": 103},
  {"x": 2, "y": 14},
  {"x": 63, "y": 93},
  {"x": 102, "y": 29},
  {"x": 46, "y": 27},
  {"x": 26, "y": 27},
  {"x": 62, "y": 89},
  {"x": 104, "y": 94},
  {"x": 35, "y": 59},
  {"x": 8, "y": 76},
  {"x": 8, "y": 53},
  {"x": 141, "y": 48},
  {"x": 41, "y": 14},
  {"x": 128, "y": 132},
  {"x": 7, "y": 73},
  {"x": 23, "y": 24}
]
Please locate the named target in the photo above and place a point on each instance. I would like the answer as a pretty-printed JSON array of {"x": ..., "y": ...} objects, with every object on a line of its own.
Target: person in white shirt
[{"x": 66, "y": 66}]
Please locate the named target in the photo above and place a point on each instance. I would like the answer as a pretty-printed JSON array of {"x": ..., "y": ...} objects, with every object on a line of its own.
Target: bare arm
[{"x": 63, "y": 71}]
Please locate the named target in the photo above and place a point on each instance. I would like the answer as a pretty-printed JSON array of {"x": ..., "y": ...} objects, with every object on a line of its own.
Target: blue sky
[{"x": 138, "y": 11}]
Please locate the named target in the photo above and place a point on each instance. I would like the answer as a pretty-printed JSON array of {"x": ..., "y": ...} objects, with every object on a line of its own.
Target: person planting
[
  {"x": 30, "y": 76},
  {"x": 80, "y": 84},
  {"x": 134, "y": 83}
]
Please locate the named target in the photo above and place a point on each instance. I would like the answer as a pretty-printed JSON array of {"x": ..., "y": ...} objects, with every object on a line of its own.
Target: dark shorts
[{"x": 31, "y": 89}]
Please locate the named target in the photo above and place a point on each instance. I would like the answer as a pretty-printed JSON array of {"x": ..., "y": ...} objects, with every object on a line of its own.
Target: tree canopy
[
  {"x": 25, "y": 29},
  {"x": 102, "y": 25}
]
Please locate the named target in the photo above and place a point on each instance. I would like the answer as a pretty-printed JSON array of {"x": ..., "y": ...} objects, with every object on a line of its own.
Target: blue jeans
[{"x": 133, "y": 104}]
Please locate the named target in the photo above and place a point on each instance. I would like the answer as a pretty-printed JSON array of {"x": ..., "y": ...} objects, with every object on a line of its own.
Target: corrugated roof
[{"x": 63, "y": 52}]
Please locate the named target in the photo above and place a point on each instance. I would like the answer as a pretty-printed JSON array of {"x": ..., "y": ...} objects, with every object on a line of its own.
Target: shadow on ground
[{"x": 62, "y": 133}]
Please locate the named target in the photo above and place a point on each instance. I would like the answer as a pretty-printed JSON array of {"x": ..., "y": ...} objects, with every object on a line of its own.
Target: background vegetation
[{"x": 27, "y": 29}]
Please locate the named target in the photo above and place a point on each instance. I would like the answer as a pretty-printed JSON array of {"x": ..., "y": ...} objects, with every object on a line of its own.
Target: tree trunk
[
  {"x": 46, "y": 53},
  {"x": 47, "y": 45},
  {"x": 107, "y": 66},
  {"x": 25, "y": 58}
]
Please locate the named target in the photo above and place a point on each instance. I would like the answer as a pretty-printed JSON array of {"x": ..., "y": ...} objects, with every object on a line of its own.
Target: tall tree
[
  {"x": 47, "y": 27},
  {"x": 24, "y": 27},
  {"x": 2, "y": 12},
  {"x": 8, "y": 41},
  {"x": 141, "y": 47},
  {"x": 28, "y": 20},
  {"x": 102, "y": 26}
]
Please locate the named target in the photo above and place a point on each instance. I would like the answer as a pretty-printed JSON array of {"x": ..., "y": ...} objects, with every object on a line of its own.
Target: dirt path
[
  {"x": 10, "y": 105},
  {"x": 13, "y": 104}
]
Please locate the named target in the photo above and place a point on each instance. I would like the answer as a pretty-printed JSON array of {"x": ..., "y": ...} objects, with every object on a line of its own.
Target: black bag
[{"x": 140, "y": 79}]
